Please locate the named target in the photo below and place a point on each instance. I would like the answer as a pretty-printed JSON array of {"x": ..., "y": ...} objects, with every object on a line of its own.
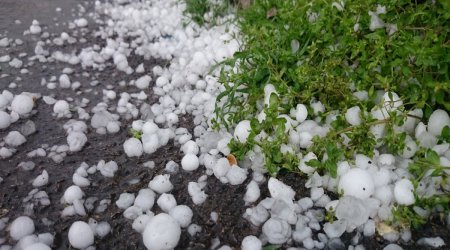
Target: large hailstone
[
  {"x": 301, "y": 113},
  {"x": 190, "y": 162},
  {"x": 162, "y": 233},
  {"x": 277, "y": 231},
  {"x": 242, "y": 131},
  {"x": 21, "y": 227},
  {"x": 81, "y": 235},
  {"x": 251, "y": 242},
  {"x": 353, "y": 116},
  {"x": 133, "y": 147},
  {"x": 358, "y": 183},
  {"x": 353, "y": 210},
  {"x": 403, "y": 192},
  {"x": 22, "y": 104},
  {"x": 438, "y": 120},
  {"x": 5, "y": 120}
]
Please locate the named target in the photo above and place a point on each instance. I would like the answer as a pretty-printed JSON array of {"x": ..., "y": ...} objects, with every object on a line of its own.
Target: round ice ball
[
  {"x": 5, "y": 120},
  {"x": 133, "y": 147},
  {"x": 81, "y": 235},
  {"x": 72, "y": 194},
  {"x": 22, "y": 104},
  {"x": 403, "y": 192},
  {"x": 242, "y": 131},
  {"x": 37, "y": 246},
  {"x": 438, "y": 120},
  {"x": 190, "y": 162},
  {"x": 251, "y": 242},
  {"x": 21, "y": 227},
  {"x": 357, "y": 182},
  {"x": 353, "y": 115},
  {"x": 301, "y": 113},
  {"x": 162, "y": 232}
]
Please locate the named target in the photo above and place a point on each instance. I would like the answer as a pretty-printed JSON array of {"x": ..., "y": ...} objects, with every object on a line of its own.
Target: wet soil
[{"x": 226, "y": 200}]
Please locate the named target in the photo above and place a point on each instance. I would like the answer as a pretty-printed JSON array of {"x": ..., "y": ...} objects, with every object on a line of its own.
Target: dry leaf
[
  {"x": 272, "y": 12},
  {"x": 244, "y": 4},
  {"x": 231, "y": 159}
]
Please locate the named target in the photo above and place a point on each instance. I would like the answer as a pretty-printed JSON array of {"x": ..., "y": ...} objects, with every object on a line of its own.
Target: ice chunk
[
  {"x": 197, "y": 194},
  {"x": 5, "y": 120},
  {"x": 41, "y": 180},
  {"x": 335, "y": 229},
  {"x": 125, "y": 200},
  {"x": 140, "y": 222},
  {"x": 432, "y": 242},
  {"x": 80, "y": 235},
  {"x": 438, "y": 120},
  {"x": 133, "y": 147},
  {"x": 279, "y": 190},
  {"x": 251, "y": 243},
  {"x": 190, "y": 162},
  {"x": 242, "y": 131},
  {"x": 353, "y": 210},
  {"x": 277, "y": 231},
  {"x": 76, "y": 141},
  {"x": 107, "y": 169},
  {"x": 143, "y": 82},
  {"x": 166, "y": 202},
  {"x": 72, "y": 194},
  {"x": 161, "y": 184},
  {"x": 145, "y": 199},
  {"x": 21, "y": 227},
  {"x": 81, "y": 22},
  {"x": 358, "y": 183},
  {"x": 37, "y": 246},
  {"x": 182, "y": 214},
  {"x": 236, "y": 175},
  {"x": 14, "y": 139},
  {"x": 403, "y": 192},
  {"x": 253, "y": 192},
  {"x": 162, "y": 232}
]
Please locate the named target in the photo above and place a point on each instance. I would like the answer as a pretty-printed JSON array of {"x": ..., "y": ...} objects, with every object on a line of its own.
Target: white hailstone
[
  {"x": 133, "y": 147},
  {"x": 61, "y": 108},
  {"x": 140, "y": 222},
  {"x": 253, "y": 192},
  {"x": 434, "y": 242},
  {"x": 190, "y": 147},
  {"x": 14, "y": 139},
  {"x": 140, "y": 68},
  {"x": 317, "y": 107},
  {"x": 190, "y": 162},
  {"x": 221, "y": 167},
  {"x": 73, "y": 193},
  {"x": 161, "y": 233},
  {"x": 81, "y": 22},
  {"x": 301, "y": 113},
  {"x": 362, "y": 161},
  {"x": 197, "y": 194},
  {"x": 358, "y": 183},
  {"x": 268, "y": 90},
  {"x": 80, "y": 180},
  {"x": 80, "y": 235},
  {"x": 41, "y": 180},
  {"x": 21, "y": 227},
  {"x": 236, "y": 175},
  {"x": 305, "y": 139},
  {"x": 438, "y": 120},
  {"x": 305, "y": 168},
  {"x": 279, "y": 190},
  {"x": 182, "y": 214},
  {"x": 375, "y": 21},
  {"x": 102, "y": 229},
  {"x": 242, "y": 131},
  {"x": 410, "y": 148},
  {"x": 161, "y": 184},
  {"x": 150, "y": 143},
  {"x": 35, "y": 28},
  {"x": 353, "y": 116},
  {"x": 76, "y": 141},
  {"x": 277, "y": 231},
  {"x": 113, "y": 127},
  {"x": 64, "y": 81},
  {"x": 381, "y": 177},
  {"x": 403, "y": 192},
  {"x": 386, "y": 160},
  {"x": 143, "y": 82},
  {"x": 161, "y": 81},
  {"x": 222, "y": 145},
  {"x": 251, "y": 242},
  {"x": 108, "y": 169},
  {"x": 166, "y": 202},
  {"x": 145, "y": 199},
  {"x": 125, "y": 200},
  {"x": 335, "y": 229},
  {"x": 22, "y": 104},
  {"x": 391, "y": 101},
  {"x": 37, "y": 246},
  {"x": 5, "y": 120},
  {"x": 132, "y": 212},
  {"x": 353, "y": 210}
]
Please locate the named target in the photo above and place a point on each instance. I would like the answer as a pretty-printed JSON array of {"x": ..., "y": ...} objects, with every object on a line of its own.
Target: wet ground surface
[{"x": 226, "y": 200}]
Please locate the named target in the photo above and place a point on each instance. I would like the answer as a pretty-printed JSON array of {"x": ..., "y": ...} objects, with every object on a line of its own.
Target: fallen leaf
[
  {"x": 232, "y": 160},
  {"x": 271, "y": 13}
]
